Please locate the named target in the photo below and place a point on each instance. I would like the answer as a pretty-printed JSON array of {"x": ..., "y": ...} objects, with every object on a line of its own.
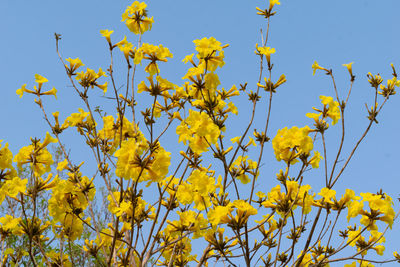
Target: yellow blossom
[
  {"x": 74, "y": 64},
  {"x": 288, "y": 144},
  {"x": 36, "y": 155},
  {"x": 210, "y": 53},
  {"x": 15, "y": 186},
  {"x": 11, "y": 224},
  {"x": 51, "y": 92},
  {"x": 188, "y": 58},
  {"x": 40, "y": 80},
  {"x": 273, "y": 2},
  {"x": 106, "y": 34},
  {"x": 5, "y": 157},
  {"x": 23, "y": 90},
  {"x": 349, "y": 68},
  {"x": 135, "y": 18},
  {"x": 331, "y": 110},
  {"x": 266, "y": 51},
  {"x": 314, "y": 161},
  {"x": 196, "y": 129},
  {"x": 89, "y": 79},
  {"x": 327, "y": 194},
  {"x": 154, "y": 53},
  {"x": 315, "y": 67}
]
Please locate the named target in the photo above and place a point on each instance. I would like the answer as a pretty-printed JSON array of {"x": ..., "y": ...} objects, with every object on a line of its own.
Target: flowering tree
[{"x": 199, "y": 206}]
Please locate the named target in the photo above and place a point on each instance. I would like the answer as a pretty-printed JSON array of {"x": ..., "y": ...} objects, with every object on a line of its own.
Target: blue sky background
[{"x": 331, "y": 32}]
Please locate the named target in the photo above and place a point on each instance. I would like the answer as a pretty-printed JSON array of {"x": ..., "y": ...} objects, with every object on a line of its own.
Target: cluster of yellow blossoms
[
  {"x": 198, "y": 188},
  {"x": 36, "y": 155},
  {"x": 68, "y": 201},
  {"x": 199, "y": 131},
  {"x": 89, "y": 79},
  {"x": 132, "y": 164},
  {"x": 37, "y": 90},
  {"x": 293, "y": 144},
  {"x": 330, "y": 110},
  {"x": 135, "y": 17}
]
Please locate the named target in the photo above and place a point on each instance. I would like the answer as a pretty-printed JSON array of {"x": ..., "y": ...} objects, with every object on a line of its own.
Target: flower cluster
[
  {"x": 137, "y": 161},
  {"x": 89, "y": 79},
  {"x": 36, "y": 155},
  {"x": 293, "y": 144},
  {"x": 135, "y": 18},
  {"x": 68, "y": 201},
  {"x": 199, "y": 131},
  {"x": 37, "y": 90},
  {"x": 330, "y": 110}
]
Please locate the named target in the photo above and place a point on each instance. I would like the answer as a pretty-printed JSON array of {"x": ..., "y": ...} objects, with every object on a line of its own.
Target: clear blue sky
[{"x": 331, "y": 32}]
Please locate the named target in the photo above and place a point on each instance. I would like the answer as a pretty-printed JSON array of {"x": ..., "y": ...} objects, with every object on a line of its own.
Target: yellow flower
[
  {"x": 188, "y": 58},
  {"x": 261, "y": 194},
  {"x": 62, "y": 165},
  {"x": 37, "y": 89},
  {"x": 36, "y": 155},
  {"x": 288, "y": 144},
  {"x": 281, "y": 80},
  {"x": 353, "y": 236},
  {"x": 89, "y": 79},
  {"x": 353, "y": 209},
  {"x": 125, "y": 47},
  {"x": 74, "y": 64},
  {"x": 244, "y": 209},
  {"x": 5, "y": 157},
  {"x": 307, "y": 260},
  {"x": 9, "y": 223},
  {"x": 243, "y": 166},
  {"x": 236, "y": 139},
  {"x": 314, "y": 161},
  {"x": 106, "y": 34},
  {"x": 210, "y": 53},
  {"x": 299, "y": 196},
  {"x": 15, "y": 186},
  {"x": 389, "y": 89},
  {"x": 315, "y": 67},
  {"x": 202, "y": 183},
  {"x": 75, "y": 119},
  {"x": 103, "y": 87},
  {"x": 46, "y": 184},
  {"x": 196, "y": 129},
  {"x": 272, "y": 3},
  {"x": 23, "y": 89},
  {"x": 331, "y": 109},
  {"x": 383, "y": 204},
  {"x": 153, "y": 53},
  {"x": 72, "y": 226},
  {"x": 153, "y": 168},
  {"x": 348, "y": 197},
  {"x": 349, "y": 68},
  {"x": 135, "y": 17},
  {"x": 47, "y": 140},
  {"x": 40, "y": 80},
  {"x": 327, "y": 194},
  {"x": 160, "y": 87},
  {"x": 270, "y": 86},
  {"x": 51, "y": 92},
  {"x": 184, "y": 194},
  {"x": 314, "y": 116},
  {"x": 379, "y": 249},
  {"x": 266, "y": 51}
]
